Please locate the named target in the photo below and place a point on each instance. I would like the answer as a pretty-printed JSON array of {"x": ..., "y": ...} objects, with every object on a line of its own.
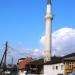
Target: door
[{"x": 60, "y": 74}]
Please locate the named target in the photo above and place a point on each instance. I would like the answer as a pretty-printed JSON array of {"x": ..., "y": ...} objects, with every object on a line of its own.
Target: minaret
[{"x": 48, "y": 33}]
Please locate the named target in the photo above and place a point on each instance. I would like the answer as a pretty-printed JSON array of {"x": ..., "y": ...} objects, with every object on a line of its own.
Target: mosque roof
[{"x": 55, "y": 60}]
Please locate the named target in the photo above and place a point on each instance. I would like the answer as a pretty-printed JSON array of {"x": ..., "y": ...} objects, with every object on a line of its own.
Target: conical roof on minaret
[{"x": 48, "y": 1}]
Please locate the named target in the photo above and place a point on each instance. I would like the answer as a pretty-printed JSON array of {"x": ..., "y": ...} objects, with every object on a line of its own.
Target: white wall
[
  {"x": 21, "y": 72},
  {"x": 51, "y": 69}
]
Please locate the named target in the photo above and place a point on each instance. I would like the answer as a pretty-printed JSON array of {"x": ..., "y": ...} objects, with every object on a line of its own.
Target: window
[
  {"x": 56, "y": 67},
  {"x": 62, "y": 67},
  {"x": 53, "y": 67},
  {"x": 71, "y": 66}
]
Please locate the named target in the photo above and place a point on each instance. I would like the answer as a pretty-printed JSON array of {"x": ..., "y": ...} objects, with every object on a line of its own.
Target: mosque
[{"x": 49, "y": 65}]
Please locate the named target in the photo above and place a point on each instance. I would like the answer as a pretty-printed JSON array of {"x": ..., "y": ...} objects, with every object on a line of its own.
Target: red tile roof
[{"x": 22, "y": 62}]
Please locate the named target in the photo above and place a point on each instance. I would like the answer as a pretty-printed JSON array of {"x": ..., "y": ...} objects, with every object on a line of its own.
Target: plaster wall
[
  {"x": 21, "y": 72},
  {"x": 51, "y": 69}
]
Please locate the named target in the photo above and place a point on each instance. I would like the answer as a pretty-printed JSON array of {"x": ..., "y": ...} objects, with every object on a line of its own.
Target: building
[
  {"x": 57, "y": 66},
  {"x": 22, "y": 65},
  {"x": 61, "y": 66},
  {"x": 35, "y": 67},
  {"x": 54, "y": 67},
  {"x": 69, "y": 63}
]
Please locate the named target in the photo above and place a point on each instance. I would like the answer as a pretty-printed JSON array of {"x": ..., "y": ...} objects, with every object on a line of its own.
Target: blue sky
[{"x": 22, "y": 22}]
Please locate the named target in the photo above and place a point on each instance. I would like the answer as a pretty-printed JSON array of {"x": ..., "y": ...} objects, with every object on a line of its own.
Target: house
[
  {"x": 54, "y": 67},
  {"x": 22, "y": 65},
  {"x": 61, "y": 65},
  {"x": 69, "y": 63},
  {"x": 35, "y": 67}
]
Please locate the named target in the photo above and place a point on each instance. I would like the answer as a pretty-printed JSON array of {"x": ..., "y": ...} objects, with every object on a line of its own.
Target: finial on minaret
[{"x": 48, "y": 1}]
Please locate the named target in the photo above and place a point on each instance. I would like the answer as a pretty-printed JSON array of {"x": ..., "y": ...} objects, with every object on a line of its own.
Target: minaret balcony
[{"x": 48, "y": 16}]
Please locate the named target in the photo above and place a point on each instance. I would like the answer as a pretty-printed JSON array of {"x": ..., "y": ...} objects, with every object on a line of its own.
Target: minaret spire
[
  {"x": 49, "y": 7},
  {"x": 48, "y": 1}
]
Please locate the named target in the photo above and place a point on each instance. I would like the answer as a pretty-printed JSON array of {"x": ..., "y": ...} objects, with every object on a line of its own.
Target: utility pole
[
  {"x": 3, "y": 60},
  {"x": 6, "y": 48},
  {"x": 4, "y": 56},
  {"x": 12, "y": 61}
]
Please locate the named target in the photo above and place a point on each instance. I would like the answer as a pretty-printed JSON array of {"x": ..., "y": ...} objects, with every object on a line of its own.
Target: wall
[
  {"x": 21, "y": 72},
  {"x": 51, "y": 69},
  {"x": 69, "y": 67}
]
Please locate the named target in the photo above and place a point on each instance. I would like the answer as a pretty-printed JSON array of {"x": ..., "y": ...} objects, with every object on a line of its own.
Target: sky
[{"x": 22, "y": 24}]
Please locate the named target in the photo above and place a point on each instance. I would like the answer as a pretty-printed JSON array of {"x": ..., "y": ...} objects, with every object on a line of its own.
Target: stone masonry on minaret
[{"x": 48, "y": 19}]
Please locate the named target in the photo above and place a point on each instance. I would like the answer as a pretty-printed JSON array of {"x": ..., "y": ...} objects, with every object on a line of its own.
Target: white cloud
[
  {"x": 35, "y": 53},
  {"x": 42, "y": 40},
  {"x": 63, "y": 40},
  {"x": 36, "y": 50}
]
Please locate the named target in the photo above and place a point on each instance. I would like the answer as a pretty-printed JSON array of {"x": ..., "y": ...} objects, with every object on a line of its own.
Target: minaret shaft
[{"x": 48, "y": 33}]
